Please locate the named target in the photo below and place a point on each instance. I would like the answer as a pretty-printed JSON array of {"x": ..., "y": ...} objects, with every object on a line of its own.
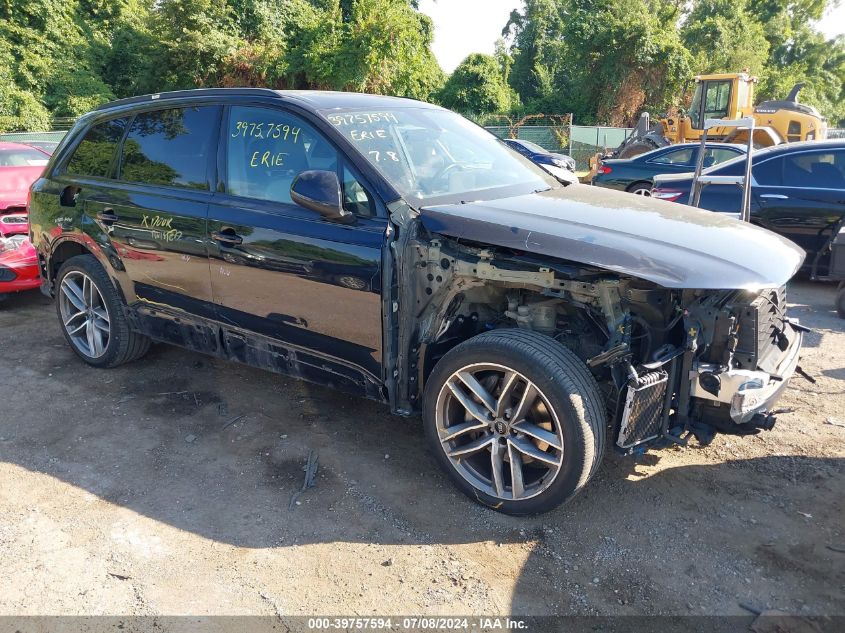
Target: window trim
[
  {"x": 222, "y": 162},
  {"x": 60, "y": 169}
]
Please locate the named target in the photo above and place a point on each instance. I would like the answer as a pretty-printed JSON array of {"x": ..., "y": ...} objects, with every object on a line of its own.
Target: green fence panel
[{"x": 23, "y": 137}]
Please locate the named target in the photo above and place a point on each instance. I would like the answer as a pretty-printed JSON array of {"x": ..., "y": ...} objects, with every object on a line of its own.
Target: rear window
[
  {"x": 170, "y": 147},
  {"x": 93, "y": 156},
  {"x": 678, "y": 157},
  {"x": 22, "y": 157}
]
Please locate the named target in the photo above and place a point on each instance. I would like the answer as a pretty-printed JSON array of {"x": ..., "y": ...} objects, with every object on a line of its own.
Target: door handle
[
  {"x": 107, "y": 217},
  {"x": 227, "y": 237},
  {"x": 774, "y": 196}
]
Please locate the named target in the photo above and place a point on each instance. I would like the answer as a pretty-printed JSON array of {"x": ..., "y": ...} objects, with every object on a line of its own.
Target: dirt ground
[{"x": 132, "y": 491}]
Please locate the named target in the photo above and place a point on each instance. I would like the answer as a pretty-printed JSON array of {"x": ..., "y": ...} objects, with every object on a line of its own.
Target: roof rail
[{"x": 181, "y": 94}]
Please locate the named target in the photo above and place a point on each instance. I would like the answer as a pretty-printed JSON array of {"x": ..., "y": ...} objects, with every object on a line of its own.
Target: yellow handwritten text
[
  {"x": 267, "y": 159},
  {"x": 269, "y": 130}
]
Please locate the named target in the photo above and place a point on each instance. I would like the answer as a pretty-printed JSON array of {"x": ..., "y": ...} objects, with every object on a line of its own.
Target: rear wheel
[
  {"x": 640, "y": 189},
  {"x": 91, "y": 315},
  {"x": 516, "y": 419}
]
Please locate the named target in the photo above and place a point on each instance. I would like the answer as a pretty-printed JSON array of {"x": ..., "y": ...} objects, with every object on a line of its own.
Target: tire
[
  {"x": 840, "y": 302},
  {"x": 636, "y": 148},
  {"x": 105, "y": 320},
  {"x": 641, "y": 188},
  {"x": 564, "y": 426}
]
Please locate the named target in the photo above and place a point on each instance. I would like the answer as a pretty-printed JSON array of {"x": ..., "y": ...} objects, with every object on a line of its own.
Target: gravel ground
[{"x": 166, "y": 487}]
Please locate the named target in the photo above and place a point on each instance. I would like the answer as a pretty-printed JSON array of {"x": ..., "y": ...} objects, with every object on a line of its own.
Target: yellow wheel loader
[{"x": 728, "y": 96}]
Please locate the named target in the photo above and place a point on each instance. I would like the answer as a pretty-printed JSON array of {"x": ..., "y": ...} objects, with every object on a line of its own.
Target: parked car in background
[
  {"x": 636, "y": 175},
  {"x": 20, "y": 166},
  {"x": 558, "y": 165},
  {"x": 46, "y": 146},
  {"x": 797, "y": 190},
  {"x": 392, "y": 249}
]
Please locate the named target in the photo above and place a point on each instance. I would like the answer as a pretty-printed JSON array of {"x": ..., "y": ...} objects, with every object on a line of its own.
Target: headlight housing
[{"x": 566, "y": 163}]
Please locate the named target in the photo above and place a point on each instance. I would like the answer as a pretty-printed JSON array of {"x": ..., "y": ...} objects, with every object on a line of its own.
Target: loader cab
[{"x": 727, "y": 96}]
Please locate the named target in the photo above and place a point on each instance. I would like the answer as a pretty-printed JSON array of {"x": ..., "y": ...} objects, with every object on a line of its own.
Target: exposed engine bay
[{"x": 670, "y": 362}]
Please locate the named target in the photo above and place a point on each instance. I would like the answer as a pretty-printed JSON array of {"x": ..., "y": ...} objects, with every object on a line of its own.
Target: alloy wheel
[
  {"x": 499, "y": 431},
  {"x": 642, "y": 192},
  {"x": 84, "y": 314}
]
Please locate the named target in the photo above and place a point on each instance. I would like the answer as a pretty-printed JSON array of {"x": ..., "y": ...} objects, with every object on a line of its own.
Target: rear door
[
  {"x": 156, "y": 211},
  {"x": 286, "y": 272},
  {"x": 801, "y": 196}
]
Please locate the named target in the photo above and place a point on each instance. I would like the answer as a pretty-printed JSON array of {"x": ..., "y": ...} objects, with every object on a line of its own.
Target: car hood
[{"x": 667, "y": 243}]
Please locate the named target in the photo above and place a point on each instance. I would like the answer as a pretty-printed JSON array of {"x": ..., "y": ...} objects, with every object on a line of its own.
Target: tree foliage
[
  {"x": 63, "y": 57},
  {"x": 607, "y": 60},
  {"x": 477, "y": 85},
  {"x": 600, "y": 59},
  {"x": 603, "y": 60}
]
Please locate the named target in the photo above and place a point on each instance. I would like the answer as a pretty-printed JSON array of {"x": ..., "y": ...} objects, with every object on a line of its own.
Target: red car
[{"x": 20, "y": 166}]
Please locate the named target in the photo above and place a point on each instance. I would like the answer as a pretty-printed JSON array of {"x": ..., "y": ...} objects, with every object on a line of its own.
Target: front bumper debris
[{"x": 748, "y": 392}]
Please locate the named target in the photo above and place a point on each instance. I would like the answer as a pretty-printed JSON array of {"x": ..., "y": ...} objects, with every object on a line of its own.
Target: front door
[
  {"x": 802, "y": 197},
  {"x": 283, "y": 271}
]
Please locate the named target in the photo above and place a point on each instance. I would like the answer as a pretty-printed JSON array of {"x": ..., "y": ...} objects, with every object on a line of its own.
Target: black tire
[
  {"x": 568, "y": 387},
  {"x": 636, "y": 148},
  {"x": 641, "y": 188},
  {"x": 840, "y": 302},
  {"x": 124, "y": 344}
]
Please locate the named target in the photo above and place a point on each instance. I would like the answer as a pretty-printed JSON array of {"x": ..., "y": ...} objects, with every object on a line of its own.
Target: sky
[{"x": 462, "y": 27}]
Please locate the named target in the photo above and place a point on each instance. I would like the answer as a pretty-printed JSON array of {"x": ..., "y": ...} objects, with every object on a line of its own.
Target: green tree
[
  {"x": 477, "y": 86},
  {"x": 725, "y": 36},
  {"x": 603, "y": 60}
]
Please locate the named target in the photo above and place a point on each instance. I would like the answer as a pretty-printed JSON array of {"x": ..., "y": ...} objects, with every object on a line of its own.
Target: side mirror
[{"x": 319, "y": 191}]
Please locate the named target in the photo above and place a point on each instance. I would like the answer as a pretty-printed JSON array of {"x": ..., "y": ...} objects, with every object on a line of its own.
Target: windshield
[
  {"x": 431, "y": 155},
  {"x": 533, "y": 147}
]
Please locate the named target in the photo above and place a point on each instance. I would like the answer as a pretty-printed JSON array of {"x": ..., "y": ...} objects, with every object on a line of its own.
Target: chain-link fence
[
  {"x": 23, "y": 137},
  {"x": 579, "y": 141}
]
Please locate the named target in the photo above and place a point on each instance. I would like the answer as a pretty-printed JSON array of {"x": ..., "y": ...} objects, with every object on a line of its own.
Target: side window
[
  {"x": 678, "y": 157},
  {"x": 824, "y": 170},
  {"x": 355, "y": 198},
  {"x": 267, "y": 149},
  {"x": 769, "y": 173},
  {"x": 716, "y": 155},
  {"x": 170, "y": 147},
  {"x": 93, "y": 156}
]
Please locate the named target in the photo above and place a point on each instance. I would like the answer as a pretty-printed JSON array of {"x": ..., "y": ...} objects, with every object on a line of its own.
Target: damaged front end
[{"x": 670, "y": 362}]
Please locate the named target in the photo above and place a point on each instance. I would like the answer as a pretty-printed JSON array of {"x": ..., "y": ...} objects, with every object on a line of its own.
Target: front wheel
[{"x": 516, "y": 419}]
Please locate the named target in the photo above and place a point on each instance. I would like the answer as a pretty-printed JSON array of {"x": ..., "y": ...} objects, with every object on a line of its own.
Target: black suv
[{"x": 394, "y": 250}]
